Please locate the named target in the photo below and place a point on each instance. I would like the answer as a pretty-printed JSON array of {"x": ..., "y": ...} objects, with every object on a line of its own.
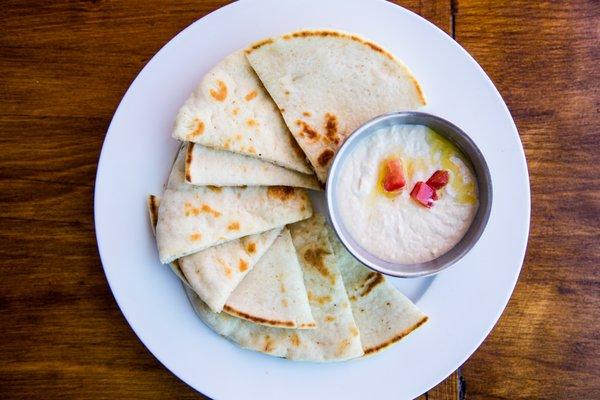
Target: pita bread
[
  {"x": 205, "y": 166},
  {"x": 201, "y": 217},
  {"x": 274, "y": 293},
  {"x": 327, "y": 83},
  {"x": 336, "y": 336},
  {"x": 153, "y": 203},
  {"x": 230, "y": 110},
  {"x": 382, "y": 313}
]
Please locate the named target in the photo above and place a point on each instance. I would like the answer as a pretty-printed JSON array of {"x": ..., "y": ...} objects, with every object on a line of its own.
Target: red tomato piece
[
  {"x": 439, "y": 179},
  {"x": 393, "y": 179},
  {"x": 423, "y": 194}
]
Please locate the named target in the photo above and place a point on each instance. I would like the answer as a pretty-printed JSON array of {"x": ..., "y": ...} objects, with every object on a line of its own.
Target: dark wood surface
[{"x": 64, "y": 67}]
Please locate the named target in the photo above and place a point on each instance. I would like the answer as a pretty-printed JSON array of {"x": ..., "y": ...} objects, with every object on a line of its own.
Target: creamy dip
[{"x": 394, "y": 226}]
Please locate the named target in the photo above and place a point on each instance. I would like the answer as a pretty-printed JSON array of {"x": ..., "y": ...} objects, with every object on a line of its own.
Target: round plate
[{"x": 463, "y": 302}]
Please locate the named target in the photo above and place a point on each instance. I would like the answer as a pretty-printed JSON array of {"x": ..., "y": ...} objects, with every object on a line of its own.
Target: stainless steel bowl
[{"x": 468, "y": 148}]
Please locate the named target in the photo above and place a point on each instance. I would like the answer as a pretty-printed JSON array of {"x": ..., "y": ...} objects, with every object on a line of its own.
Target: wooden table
[{"x": 66, "y": 64}]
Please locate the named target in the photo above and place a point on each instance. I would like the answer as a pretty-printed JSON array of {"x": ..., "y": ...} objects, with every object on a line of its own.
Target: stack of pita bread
[{"x": 235, "y": 221}]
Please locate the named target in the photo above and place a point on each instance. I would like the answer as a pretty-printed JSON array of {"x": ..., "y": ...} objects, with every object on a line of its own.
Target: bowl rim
[{"x": 478, "y": 163}]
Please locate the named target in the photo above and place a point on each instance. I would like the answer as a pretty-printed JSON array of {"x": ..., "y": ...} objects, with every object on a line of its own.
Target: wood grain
[
  {"x": 65, "y": 66},
  {"x": 544, "y": 58}
]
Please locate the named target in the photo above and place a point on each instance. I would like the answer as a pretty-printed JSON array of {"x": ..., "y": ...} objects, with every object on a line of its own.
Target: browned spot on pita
[
  {"x": 251, "y": 122},
  {"x": 238, "y": 137},
  {"x": 419, "y": 90},
  {"x": 194, "y": 237},
  {"x": 198, "y": 129},
  {"x": 396, "y": 338},
  {"x": 282, "y": 193},
  {"x": 325, "y": 157},
  {"x": 269, "y": 345},
  {"x": 188, "y": 162},
  {"x": 153, "y": 208},
  {"x": 243, "y": 265},
  {"x": 315, "y": 257},
  {"x": 234, "y": 226},
  {"x": 295, "y": 339},
  {"x": 251, "y": 248},
  {"x": 190, "y": 210},
  {"x": 329, "y": 318},
  {"x": 307, "y": 131},
  {"x": 226, "y": 267},
  {"x": 352, "y": 298},
  {"x": 318, "y": 299},
  {"x": 372, "y": 280},
  {"x": 282, "y": 110},
  {"x": 282, "y": 287},
  {"x": 353, "y": 331},
  {"x": 342, "y": 346},
  {"x": 227, "y": 144},
  {"x": 307, "y": 325},
  {"x": 251, "y": 150},
  {"x": 207, "y": 209},
  {"x": 215, "y": 189},
  {"x": 284, "y": 302},
  {"x": 306, "y": 113},
  {"x": 251, "y": 94},
  {"x": 221, "y": 93},
  {"x": 331, "y": 128},
  {"x": 235, "y": 111},
  {"x": 258, "y": 320},
  {"x": 258, "y": 45}
]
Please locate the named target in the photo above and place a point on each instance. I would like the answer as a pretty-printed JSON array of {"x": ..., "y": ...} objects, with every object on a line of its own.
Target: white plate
[{"x": 463, "y": 302}]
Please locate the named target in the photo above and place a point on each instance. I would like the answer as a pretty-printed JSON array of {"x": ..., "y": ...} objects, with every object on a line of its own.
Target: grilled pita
[
  {"x": 214, "y": 273},
  {"x": 327, "y": 83},
  {"x": 230, "y": 110},
  {"x": 205, "y": 166},
  {"x": 382, "y": 313},
  {"x": 273, "y": 294},
  {"x": 336, "y": 336}
]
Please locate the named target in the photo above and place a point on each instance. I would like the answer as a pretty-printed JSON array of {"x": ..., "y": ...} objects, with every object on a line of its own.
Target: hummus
[{"x": 392, "y": 225}]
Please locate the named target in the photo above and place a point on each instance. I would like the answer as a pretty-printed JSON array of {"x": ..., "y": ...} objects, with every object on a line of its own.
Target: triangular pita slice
[
  {"x": 327, "y": 83},
  {"x": 201, "y": 217},
  {"x": 214, "y": 273},
  {"x": 230, "y": 110},
  {"x": 336, "y": 336},
  {"x": 274, "y": 293},
  {"x": 206, "y": 166},
  {"x": 382, "y": 313}
]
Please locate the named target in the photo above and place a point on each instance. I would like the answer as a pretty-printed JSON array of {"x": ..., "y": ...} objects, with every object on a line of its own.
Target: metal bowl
[{"x": 461, "y": 140}]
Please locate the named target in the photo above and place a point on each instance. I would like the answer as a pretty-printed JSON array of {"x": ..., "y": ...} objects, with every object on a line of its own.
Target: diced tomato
[
  {"x": 393, "y": 179},
  {"x": 423, "y": 194},
  {"x": 439, "y": 179}
]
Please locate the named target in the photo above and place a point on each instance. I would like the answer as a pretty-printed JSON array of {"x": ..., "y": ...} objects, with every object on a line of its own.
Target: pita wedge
[
  {"x": 214, "y": 273},
  {"x": 336, "y": 336},
  {"x": 327, "y": 83},
  {"x": 230, "y": 110},
  {"x": 274, "y": 293},
  {"x": 382, "y": 313},
  {"x": 205, "y": 166},
  {"x": 201, "y": 217}
]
